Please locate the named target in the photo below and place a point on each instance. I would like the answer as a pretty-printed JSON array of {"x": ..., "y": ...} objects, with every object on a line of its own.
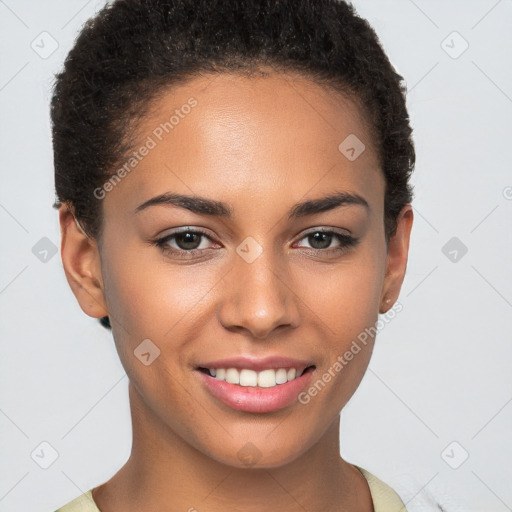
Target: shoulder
[
  {"x": 385, "y": 499},
  {"x": 83, "y": 503}
]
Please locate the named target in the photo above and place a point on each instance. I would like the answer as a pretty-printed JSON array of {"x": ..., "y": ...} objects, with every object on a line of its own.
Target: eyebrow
[{"x": 205, "y": 206}]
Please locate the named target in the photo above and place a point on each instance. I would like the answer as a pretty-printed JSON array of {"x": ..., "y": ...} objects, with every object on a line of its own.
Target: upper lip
[{"x": 257, "y": 364}]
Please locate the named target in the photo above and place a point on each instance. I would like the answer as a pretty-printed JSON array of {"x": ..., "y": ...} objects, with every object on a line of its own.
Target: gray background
[{"x": 438, "y": 388}]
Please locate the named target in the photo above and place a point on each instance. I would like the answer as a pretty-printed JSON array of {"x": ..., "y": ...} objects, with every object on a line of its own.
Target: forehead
[{"x": 249, "y": 136}]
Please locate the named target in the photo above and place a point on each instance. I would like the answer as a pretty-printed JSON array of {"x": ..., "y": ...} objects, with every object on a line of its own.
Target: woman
[{"x": 232, "y": 179}]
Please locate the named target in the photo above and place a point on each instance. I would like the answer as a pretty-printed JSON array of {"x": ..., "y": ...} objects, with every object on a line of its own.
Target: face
[{"x": 245, "y": 272}]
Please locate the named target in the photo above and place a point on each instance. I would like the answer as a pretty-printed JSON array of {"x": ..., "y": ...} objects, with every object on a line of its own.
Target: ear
[
  {"x": 82, "y": 265},
  {"x": 396, "y": 265}
]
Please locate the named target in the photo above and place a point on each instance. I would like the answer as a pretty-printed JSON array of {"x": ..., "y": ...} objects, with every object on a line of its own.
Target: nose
[{"x": 258, "y": 297}]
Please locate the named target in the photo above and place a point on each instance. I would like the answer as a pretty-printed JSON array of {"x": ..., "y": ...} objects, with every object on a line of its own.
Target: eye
[
  {"x": 321, "y": 240},
  {"x": 187, "y": 242}
]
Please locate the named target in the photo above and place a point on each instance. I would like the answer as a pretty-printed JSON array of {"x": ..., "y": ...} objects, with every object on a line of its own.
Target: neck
[{"x": 166, "y": 473}]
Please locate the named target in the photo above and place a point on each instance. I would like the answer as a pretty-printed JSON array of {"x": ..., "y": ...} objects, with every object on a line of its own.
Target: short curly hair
[{"x": 132, "y": 50}]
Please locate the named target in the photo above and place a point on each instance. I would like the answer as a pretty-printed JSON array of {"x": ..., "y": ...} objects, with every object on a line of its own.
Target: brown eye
[
  {"x": 188, "y": 240},
  {"x": 184, "y": 243},
  {"x": 321, "y": 240}
]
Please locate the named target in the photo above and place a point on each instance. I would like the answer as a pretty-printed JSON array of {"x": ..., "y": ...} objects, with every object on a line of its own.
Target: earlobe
[
  {"x": 82, "y": 265},
  {"x": 398, "y": 251}
]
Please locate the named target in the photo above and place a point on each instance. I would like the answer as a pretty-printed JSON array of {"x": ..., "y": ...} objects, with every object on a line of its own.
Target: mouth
[{"x": 247, "y": 390}]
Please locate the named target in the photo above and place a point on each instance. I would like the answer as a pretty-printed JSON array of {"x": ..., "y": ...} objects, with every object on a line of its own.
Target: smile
[{"x": 257, "y": 392}]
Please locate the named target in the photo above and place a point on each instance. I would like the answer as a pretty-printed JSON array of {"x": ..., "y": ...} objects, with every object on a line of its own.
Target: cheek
[
  {"x": 347, "y": 296},
  {"x": 150, "y": 298},
  {"x": 346, "y": 303}
]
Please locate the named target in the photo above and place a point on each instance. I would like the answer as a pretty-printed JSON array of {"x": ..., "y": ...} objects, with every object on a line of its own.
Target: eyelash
[{"x": 347, "y": 242}]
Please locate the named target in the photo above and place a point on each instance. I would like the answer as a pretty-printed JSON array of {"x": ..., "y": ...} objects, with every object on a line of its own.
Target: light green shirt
[{"x": 385, "y": 499}]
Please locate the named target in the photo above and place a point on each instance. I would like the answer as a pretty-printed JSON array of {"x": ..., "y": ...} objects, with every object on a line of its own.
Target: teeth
[{"x": 264, "y": 379}]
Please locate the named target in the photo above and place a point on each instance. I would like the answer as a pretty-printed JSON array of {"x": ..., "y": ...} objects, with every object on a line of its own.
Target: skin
[{"x": 261, "y": 145}]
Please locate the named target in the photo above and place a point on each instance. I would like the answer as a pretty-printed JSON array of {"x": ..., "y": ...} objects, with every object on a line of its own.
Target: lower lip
[{"x": 255, "y": 399}]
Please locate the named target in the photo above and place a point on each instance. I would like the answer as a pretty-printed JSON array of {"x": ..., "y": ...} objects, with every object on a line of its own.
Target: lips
[{"x": 254, "y": 399}]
